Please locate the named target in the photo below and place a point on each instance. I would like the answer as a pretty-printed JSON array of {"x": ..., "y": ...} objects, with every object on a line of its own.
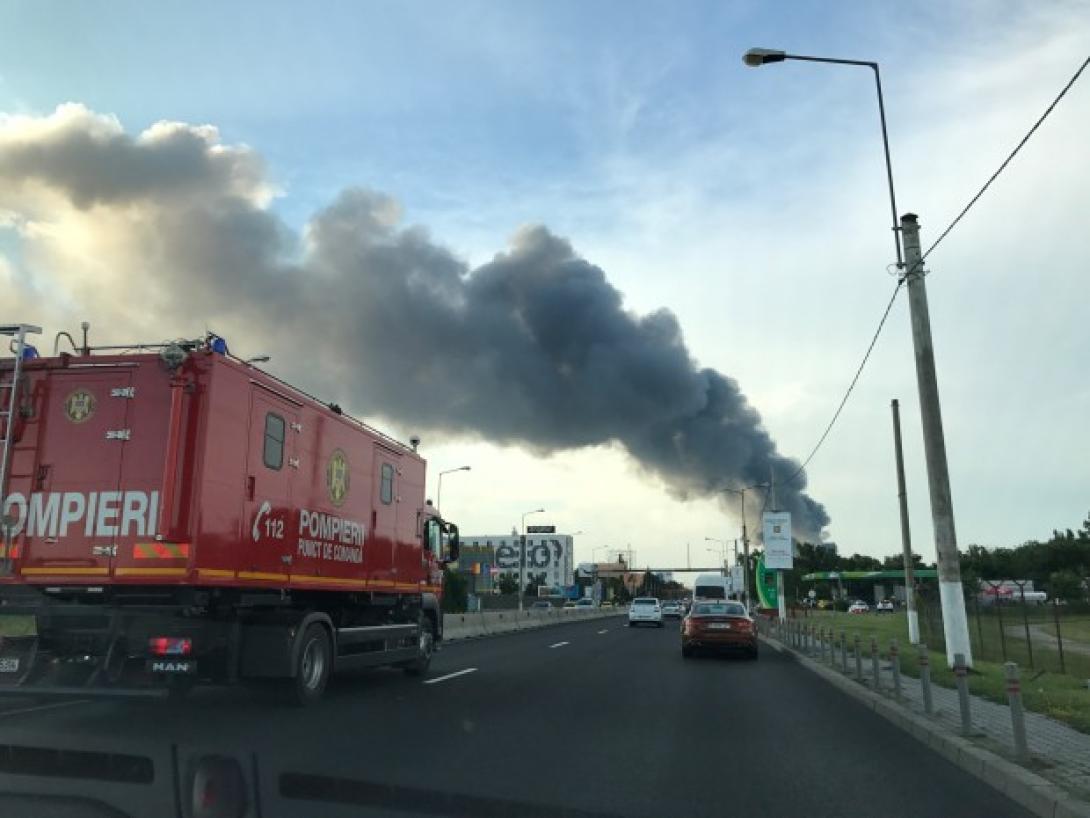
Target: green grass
[
  {"x": 1076, "y": 627},
  {"x": 1064, "y": 697}
]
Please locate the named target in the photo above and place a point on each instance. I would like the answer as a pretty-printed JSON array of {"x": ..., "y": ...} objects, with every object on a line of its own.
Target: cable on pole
[{"x": 957, "y": 219}]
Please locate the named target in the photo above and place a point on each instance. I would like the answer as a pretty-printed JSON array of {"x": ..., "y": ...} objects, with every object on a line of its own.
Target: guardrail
[{"x": 489, "y": 623}]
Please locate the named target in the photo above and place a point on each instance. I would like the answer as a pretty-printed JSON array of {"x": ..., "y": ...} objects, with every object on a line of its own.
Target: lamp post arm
[{"x": 885, "y": 138}]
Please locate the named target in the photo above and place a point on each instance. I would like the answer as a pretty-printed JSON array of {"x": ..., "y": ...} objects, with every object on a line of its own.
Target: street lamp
[
  {"x": 721, "y": 551},
  {"x": 756, "y": 57},
  {"x": 955, "y": 624},
  {"x": 439, "y": 491},
  {"x": 745, "y": 535},
  {"x": 522, "y": 555}
]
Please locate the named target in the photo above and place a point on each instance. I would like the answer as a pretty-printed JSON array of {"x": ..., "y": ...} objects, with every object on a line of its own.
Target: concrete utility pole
[
  {"x": 906, "y": 536},
  {"x": 745, "y": 556},
  {"x": 781, "y": 603},
  {"x": 955, "y": 625}
]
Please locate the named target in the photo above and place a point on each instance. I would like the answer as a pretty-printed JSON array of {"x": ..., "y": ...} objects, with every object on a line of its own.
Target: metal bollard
[
  {"x": 874, "y": 663},
  {"x": 962, "y": 680},
  {"x": 829, "y": 654},
  {"x": 925, "y": 678},
  {"x": 821, "y": 644},
  {"x": 895, "y": 659},
  {"x": 858, "y": 660},
  {"x": 1018, "y": 716},
  {"x": 844, "y": 652}
]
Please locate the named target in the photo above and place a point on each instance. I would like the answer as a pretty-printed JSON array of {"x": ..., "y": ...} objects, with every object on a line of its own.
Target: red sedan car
[{"x": 718, "y": 626}]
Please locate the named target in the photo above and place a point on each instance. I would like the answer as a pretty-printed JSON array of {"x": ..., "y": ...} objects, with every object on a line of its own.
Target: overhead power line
[
  {"x": 1007, "y": 161},
  {"x": 851, "y": 386},
  {"x": 937, "y": 242}
]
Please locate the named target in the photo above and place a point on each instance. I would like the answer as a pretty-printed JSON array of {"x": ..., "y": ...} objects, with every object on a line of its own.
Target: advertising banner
[{"x": 779, "y": 555}]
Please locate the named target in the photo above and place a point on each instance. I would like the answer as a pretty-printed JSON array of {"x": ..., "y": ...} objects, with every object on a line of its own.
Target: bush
[
  {"x": 1067, "y": 585},
  {"x": 455, "y": 592}
]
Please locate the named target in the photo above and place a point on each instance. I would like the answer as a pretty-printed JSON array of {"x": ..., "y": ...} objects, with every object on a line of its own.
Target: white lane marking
[
  {"x": 450, "y": 675},
  {"x": 40, "y": 707},
  {"x": 604, "y": 630},
  {"x": 559, "y": 644}
]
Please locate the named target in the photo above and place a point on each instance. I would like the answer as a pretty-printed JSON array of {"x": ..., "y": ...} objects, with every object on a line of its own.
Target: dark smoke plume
[{"x": 535, "y": 347}]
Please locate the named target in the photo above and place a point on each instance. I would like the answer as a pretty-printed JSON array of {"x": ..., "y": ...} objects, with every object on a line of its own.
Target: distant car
[
  {"x": 859, "y": 607},
  {"x": 718, "y": 626},
  {"x": 569, "y": 604},
  {"x": 824, "y": 604},
  {"x": 885, "y": 606},
  {"x": 541, "y": 605},
  {"x": 645, "y": 609},
  {"x": 585, "y": 602},
  {"x": 606, "y": 604},
  {"x": 672, "y": 609}
]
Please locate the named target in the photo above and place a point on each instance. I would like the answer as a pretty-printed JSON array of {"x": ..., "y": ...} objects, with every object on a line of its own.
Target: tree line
[{"x": 1059, "y": 565}]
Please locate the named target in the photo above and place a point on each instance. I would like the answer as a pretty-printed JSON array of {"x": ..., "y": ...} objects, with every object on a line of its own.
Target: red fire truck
[{"x": 173, "y": 515}]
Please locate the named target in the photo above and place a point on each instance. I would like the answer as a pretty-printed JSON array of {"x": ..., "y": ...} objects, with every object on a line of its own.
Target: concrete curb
[
  {"x": 1038, "y": 795},
  {"x": 463, "y": 627}
]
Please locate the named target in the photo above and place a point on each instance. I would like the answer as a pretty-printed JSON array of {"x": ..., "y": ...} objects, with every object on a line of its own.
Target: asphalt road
[{"x": 587, "y": 719}]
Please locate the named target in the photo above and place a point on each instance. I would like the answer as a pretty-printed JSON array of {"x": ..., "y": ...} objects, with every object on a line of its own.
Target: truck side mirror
[{"x": 453, "y": 544}]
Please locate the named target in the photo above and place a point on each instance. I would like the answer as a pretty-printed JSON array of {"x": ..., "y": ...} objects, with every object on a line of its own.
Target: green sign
[{"x": 766, "y": 585}]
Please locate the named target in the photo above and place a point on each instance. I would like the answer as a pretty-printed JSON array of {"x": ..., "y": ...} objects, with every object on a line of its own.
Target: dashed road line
[
  {"x": 604, "y": 630},
  {"x": 450, "y": 676},
  {"x": 559, "y": 644}
]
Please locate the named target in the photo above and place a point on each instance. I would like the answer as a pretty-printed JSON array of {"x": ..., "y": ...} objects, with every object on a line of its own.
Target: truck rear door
[
  {"x": 272, "y": 462},
  {"x": 74, "y": 510}
]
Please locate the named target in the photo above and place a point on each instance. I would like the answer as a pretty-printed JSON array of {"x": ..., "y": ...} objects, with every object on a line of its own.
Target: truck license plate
[{"x": 9, "y": 664}]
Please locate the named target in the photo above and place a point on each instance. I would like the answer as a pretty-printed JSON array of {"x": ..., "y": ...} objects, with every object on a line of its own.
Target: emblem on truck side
[
  {"x": 336, "y": 477},
  {"x": 79, "y": 405}
]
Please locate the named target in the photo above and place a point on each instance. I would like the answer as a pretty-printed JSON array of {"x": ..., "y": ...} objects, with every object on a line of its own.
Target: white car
[
  {"x": 645, "y": 609},
  {"x": 859, "y": 607},
  {"x": 671, "y": 608},
  {"x": 885, "y": 606}
]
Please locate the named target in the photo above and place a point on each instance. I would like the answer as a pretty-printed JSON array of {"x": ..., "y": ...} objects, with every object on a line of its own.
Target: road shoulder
[{"x": 1039, "y": 796}]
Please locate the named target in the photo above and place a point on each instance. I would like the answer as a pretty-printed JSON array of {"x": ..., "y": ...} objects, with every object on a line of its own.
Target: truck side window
[
  {"x": 386, "y": 490},
  {"x": 274, "y": 441}
]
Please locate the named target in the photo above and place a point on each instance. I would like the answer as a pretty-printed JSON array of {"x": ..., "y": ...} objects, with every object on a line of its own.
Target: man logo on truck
[
  {"x": 79, "y": 406},
  {"x": 336, "y": 477}
]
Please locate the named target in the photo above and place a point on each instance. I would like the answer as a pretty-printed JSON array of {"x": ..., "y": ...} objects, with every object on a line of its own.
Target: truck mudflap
[
  {"x": 94, "y": 652},
  {"x": 26, "y": 669}
]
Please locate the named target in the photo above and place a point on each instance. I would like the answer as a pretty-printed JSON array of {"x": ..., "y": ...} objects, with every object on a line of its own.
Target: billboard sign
[
  {"x": 777, "y": 537},
  {"x": 541, "y": 529}
]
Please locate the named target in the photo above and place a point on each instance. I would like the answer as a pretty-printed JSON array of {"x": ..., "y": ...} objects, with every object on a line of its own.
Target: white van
[{"x": 712, "y": 586}]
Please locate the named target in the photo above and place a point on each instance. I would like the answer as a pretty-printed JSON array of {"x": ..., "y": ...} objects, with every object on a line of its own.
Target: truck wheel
[
  {"x": 425, "y": 647},
  {"x": 312, "y": 667}
]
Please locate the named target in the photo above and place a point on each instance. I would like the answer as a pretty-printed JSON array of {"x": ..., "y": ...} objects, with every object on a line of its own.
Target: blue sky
[{"x": 751, "y": 203}]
